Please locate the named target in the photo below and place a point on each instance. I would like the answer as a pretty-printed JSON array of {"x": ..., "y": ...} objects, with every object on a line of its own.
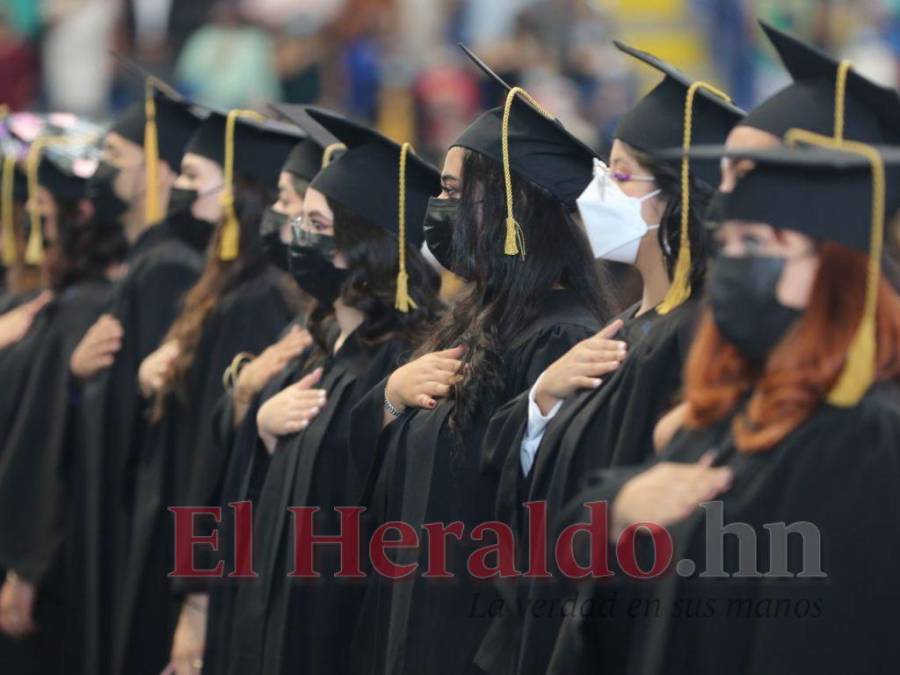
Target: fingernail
[{"x": 597, "y": 382}]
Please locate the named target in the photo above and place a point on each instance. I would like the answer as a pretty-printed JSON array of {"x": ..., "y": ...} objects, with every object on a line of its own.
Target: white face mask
[{"x": 612, "y": 219}]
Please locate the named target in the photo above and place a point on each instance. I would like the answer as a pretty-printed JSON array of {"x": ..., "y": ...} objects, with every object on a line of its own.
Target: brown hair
[{"x": 802, "y": 369}]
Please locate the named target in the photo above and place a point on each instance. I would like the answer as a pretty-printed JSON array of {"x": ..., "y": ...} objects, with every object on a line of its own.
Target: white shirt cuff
[{"x": 537, "y": 425}]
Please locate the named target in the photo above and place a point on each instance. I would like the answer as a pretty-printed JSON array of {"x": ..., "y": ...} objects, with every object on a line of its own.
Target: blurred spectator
[
  {"x": 76, "y": 42},
  {"x": 230, "y": 62},
  {"x": 18, "y": 65},
  {"x": 156, "y": 30}
]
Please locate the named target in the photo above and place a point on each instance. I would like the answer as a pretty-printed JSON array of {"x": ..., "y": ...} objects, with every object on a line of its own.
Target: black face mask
[
  {"x": 194, "y": 231},
  {"x": 309, "y": 260},
  {"x": 270, "y": 235},
  {"x": 745, "y": 307},
  {"x": 440, "y": 219},
  {"x": 108, "y": 206}
]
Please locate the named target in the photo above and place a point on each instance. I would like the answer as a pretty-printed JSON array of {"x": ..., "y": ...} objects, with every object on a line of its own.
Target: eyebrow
[{"x": 447, "y": 177}]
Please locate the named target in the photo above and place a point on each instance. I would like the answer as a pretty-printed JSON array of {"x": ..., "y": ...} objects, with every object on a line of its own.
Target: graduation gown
[
  {"x": 41, "y": 479},
  {"x": 248, "y": 318},
  {"x": 419, "y": 625},
  {"x": 285, "y": 625},
  {"x": 163, "y": 266},
  {"x": 597, "y": 428},
  {"x": 838, "y": 471},
  {"x": 248, "y": 463}
]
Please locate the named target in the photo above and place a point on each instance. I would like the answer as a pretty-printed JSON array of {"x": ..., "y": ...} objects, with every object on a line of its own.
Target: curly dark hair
[
  {"x": 85, "y": 247},
  {"x": 371, "y": 285},
  {"x": 507, "y": 292}
]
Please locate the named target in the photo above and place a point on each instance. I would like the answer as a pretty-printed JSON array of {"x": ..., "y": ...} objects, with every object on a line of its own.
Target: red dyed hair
[{"x": 802, "y": 369}]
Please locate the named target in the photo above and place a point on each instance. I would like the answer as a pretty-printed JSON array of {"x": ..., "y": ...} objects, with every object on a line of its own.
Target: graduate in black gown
[
  {"x": 43, "y": 589},
  {"x": 162, "y": 266},
  {"x": 240, "y": 303},
  {"x": 792, "y": 426},
  {"x": 504, "y": 224},
  {"x": 595, "y": 407},
  {"x": 358, "y": 253},
  {"x": 259, "y": 378}
]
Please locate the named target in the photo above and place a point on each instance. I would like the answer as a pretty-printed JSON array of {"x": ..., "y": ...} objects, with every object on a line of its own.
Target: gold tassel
[
  {"x": 680, "y": 290},
  {"x": 858, "y": 372},
  {"x": 329, "y": 151},
  {"x": 403, "y": 300},
  {"x": 230, "y": 236},
  {"x": 10, "y": 254},
  {"x": 840, "y": 91},
  {"x": 34, "y": 249},
  {"x": 152, "y": 207},
  {"x": 515, "y": 238}
]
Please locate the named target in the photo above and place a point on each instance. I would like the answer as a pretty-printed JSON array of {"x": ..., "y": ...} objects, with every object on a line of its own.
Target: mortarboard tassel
[
  {"x": 403, "y": 300},
  {"x": 152, "y": 207},
  {"x": 840, "y": 92},
  {"x": 858, "y": 372},
  {"x": 34, "y": 249},
  {"x": 329, "y": 152},
  {"x": 680, "y": 290},
  {"x": 515, "y": 240},
  {"x": 229, "y": 242},
  {"x": 10, "y": 254}
]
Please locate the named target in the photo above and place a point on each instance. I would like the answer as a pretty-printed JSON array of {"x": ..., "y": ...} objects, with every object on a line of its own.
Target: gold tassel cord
[
  {"x": 840, "y": 95},
  {"x": 229, "y": 242},
  {"x": 329, "y": 152},
  {"x": 680, "y": 290},
  {"x": 858, "y": 372},
  {"x": 403, "y": 299},
  {"x": 152, "y": 207},
  {"x": 515, "y": 239},
  {"x": 7, "y": 212}
]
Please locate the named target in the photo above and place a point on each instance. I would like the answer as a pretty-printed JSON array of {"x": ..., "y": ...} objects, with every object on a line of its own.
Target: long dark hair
[
  {"x": 219, "y": 278},
  {"x": 668, "y": 179},
  {"x": 372, "y": 261},
  {"x": 507, "y": 292},
  {"x": 85, "y": 247}
]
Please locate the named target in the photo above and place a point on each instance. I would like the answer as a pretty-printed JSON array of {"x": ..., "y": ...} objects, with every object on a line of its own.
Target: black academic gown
[
  {"x": 41, "y": 479},
  {"x": 284, "y": 625},
  {"x": 248, "y": 318},
  {"x": 163, "y": 265},
  {"x": 838, "y": 471},
  {"x": 594, "y": 429},
  {"x": 420, "y": 625}
]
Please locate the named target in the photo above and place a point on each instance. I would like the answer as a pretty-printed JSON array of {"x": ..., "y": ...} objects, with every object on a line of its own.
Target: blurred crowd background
[{"x": 395, "y": 62}]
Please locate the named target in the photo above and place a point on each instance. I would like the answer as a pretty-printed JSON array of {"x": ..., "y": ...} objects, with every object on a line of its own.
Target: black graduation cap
[
  {"x": 247, "y": 144},
  {"x": 679, "y": 111},
  {"x": 865, "y": 111},
  {"x": 130, "y": 123},
  {"x": 313, "y": 152},
  {"x": 366, "y": 177},
  {"x": 658, "y": 120},
  {"x": 541, "y": 149},
  {"x": 527, "y": 140},
  {"x": 837, "y": 194}
]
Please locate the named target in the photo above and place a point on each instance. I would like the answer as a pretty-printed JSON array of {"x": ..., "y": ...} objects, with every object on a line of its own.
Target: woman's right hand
[
  {"x": 17, "y": 606},
  {"x": 667, "y": 492},
  {"x": 581, "y": 367},
  {"x": 15, "y": 323},
  {"x": 155, "y": 368},
  {"x": 418, "y": 383},
  {"x": 290, "y": 410}
]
